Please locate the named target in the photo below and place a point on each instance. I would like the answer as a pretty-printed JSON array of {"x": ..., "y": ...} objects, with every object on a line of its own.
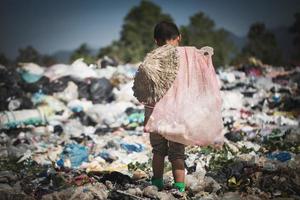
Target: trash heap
[{"x": 76, "y": 132}]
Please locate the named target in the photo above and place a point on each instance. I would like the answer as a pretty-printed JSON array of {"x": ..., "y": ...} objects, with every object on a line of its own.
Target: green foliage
[
  {"x": 137, "y": 33},
  {"x": 114, "y": 50},
  {"x": 28, "y": 54},
  {"x": 4, "y": 60},
  {"x": 137, "y": 165},
  {"x": 48, "y": 60},
  {"x": 83, "y": 52},
  {"x": 220, "y": 158},
  {"x": 295, "y": 29},
  {"x": 262, "y": 45},
  {"x": 201, "y": 32},
  {"x": 277, "y": 141}
]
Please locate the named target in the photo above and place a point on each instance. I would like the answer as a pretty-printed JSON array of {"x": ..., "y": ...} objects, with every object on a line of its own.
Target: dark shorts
[{"x": 164, "y": 147}]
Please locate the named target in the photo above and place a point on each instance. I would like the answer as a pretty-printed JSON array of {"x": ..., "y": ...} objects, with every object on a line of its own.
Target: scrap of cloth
[{"x": 190, "y": 110}]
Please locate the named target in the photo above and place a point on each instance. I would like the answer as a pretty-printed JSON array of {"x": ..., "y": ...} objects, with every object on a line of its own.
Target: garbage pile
[{"x": 76, "y": 132}]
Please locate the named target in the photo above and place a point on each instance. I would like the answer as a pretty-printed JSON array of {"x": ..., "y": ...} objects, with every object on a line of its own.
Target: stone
[
  {"x": 165, "y": 196},
  {"x": 135, "y": 191},
  {"x": 151, "y": 191},
  {"x": 86, "y": 192}
]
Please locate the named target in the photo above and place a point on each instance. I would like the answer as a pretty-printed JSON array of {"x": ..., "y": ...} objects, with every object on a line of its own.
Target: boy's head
[{"x": 166, "y": 33}]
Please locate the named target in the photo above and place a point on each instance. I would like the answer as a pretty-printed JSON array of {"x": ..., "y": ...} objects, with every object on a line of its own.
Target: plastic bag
[{"x": 190, "y": 111}]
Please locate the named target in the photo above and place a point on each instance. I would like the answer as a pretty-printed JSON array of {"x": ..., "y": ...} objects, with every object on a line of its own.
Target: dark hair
[{"x": 164, "y": 31}]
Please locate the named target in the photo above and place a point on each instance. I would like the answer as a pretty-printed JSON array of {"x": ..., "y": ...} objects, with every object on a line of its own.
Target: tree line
[{"x": 136, "y": 39}]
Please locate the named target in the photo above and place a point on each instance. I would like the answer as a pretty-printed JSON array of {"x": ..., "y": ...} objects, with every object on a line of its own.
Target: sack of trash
[{"x": 190, "y": 111}]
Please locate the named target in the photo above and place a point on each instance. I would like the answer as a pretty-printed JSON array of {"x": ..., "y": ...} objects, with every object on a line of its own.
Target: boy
[{"x": 167, "y": 37}]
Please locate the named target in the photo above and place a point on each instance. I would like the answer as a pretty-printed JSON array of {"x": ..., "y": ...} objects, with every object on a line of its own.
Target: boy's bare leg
[
  {"x": 178, "y": 170},
  {"x": 158, "y": 166}
]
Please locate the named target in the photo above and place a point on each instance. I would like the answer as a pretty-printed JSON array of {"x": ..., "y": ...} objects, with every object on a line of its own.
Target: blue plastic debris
[
  {"x": 77, "y": 109},
  {"x": 38, "y": 97},
  {"x": 107, "y": 156},
  {"x": 134, "y": 147},
  {"x": 76, "y": 153},
  {"x": 281, "y": 156},
  {"x": 60, "y": 163},
  {"x": 30, "y": 78},
  {"x": 136, "y": 117}
]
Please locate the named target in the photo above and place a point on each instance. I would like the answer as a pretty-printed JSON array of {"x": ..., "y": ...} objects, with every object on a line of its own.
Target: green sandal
[
  {"x": 180, "y": 186},
  {"x": 158, "y": 182}
]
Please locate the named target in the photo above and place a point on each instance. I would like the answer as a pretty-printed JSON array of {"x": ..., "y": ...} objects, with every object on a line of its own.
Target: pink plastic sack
[{"x": 190, "y": 111}]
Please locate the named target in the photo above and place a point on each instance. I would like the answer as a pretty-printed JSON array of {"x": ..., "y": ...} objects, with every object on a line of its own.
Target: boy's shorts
[{"x": 162, "y": 146}]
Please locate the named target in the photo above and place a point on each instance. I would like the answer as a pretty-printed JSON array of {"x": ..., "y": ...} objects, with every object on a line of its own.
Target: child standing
[{"x": 149, "y": 91}]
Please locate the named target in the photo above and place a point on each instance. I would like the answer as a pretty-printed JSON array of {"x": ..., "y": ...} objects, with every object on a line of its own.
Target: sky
[{"x": 53, "y": 25}]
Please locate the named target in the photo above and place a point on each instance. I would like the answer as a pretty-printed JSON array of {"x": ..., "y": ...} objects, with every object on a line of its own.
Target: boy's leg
[
  {"x": 178, "y": 170},
  {"x": 158, "y": 165},
  {"x": 176, "y": 157},
  {"x": 160, "y": 150}
]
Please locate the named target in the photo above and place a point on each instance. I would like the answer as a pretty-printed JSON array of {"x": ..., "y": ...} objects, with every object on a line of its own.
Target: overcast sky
[{"x": 52, "y": 25}]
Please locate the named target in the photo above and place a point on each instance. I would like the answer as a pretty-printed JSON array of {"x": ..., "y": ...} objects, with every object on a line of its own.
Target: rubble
[{"x": 76, "y": 132}]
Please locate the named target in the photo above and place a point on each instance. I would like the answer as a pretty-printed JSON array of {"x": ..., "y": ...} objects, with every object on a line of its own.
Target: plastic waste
[
  {"x": 57, "y": 71},
  {"x": 83, "y": 89},
  {"x": 32, "y": 68},
  {"x": 19, "y": 118},
  {"x": 235, "y": 183},
  {"x": 132, "y": 147},
  {"x": 100, "y": 90},
  {"x": 227, "y": 76},
  {"x": 80, "y": 105},
  {"x": 30, "y": 78},
  {"x": 108, "y": 61},
  {"x": 74, "y": 128},
  {"x": 31, "y": 72},
  {"x": 69, "y": 94},
  {"x": 128, "y": 70},
  {"x": 280, "y": 156},
  {"x": 73, "y": 156},
  {"x": 136, "y": 117},
  {"x": 77, "y": 70},
  {"x": 87, "y": 191},
  {"x": 108, "y": 156},
  {"x": 134, "y": 120},
  {"x": 52, "y": 102},
  {"x": 14, "y": 104},
  {"x": 93, "y": 166},
  {"x": 116, "y": 177},
  {"x": 109, "y": 114},
  {"x": 106, "y": 72},
  {"x": 80, "y": 70},
  {"x": 125, "y": 93},
  {"x": 232, "y": 100}
]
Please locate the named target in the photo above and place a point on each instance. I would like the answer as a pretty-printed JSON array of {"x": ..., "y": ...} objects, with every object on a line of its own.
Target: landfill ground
[{"x": 76, "y": 132}]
